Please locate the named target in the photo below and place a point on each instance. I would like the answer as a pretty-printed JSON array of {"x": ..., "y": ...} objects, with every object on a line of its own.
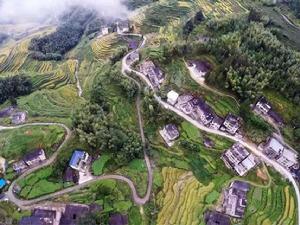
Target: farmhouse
[
  {"x": 235, "y": 199},
  {"x": 154, "y": 74},
  {"x": 42, "y": 217},
  {"x": 80, "y": 161},
  {"x": 216, "y": 218},
  {"x": 275, "y": 150},
  {"x": 202, "y": 112},
  {"x": 122, "y": 26},
  {"x": 30, "y": 160},
  {"x": 73, "y": 213},
  {"x": 6, "y": 112},
  {"x": 231, "y": 124},
  {"x": 71, "y": 175},
  {"x": 172, "y": 97},
  {"x": 264, "y": 108},
  {"x": 35, "y": 157},
  {"x": 170, "y": 133},
  {"x": 184, "y": 103},
  {"x": 217, "y": 122},
  {"x": 18, "y": 118},
  {"x": 118, "y": 219},
  {"x": 200, "y": 67},
  {"x": 239, "y": 159}
]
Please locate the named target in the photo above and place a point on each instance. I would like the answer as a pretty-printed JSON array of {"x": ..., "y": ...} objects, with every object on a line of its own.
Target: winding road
[{"x": 136, "y": 198}]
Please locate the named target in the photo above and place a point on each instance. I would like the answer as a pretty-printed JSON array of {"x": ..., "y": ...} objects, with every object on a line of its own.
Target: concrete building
[
  {"x": 18, "y": 118},
  {"x": 172, "y": 97},
  {"x": 3, "y": 165},
  {"x": 34, "y": 158},
  {"x": 239, "y": 159},
  {"x": 184, "y": 103},
  {"x": 216, "y": 218},
  {"x": 235, "y": 199},
  {"x": 275, "y": 150},
  {"x": 231, "y": 124},
  {"x": 202, "y": 111},
  {"x": 80, "y": 161},
  {"x": 169, "y": 133},
  {"x": 154, "y": 74},
  {"x": 217, "y": 122}
]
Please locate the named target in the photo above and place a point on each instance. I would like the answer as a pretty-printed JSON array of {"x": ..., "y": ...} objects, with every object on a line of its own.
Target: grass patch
[{"x": 99, "y": 164}]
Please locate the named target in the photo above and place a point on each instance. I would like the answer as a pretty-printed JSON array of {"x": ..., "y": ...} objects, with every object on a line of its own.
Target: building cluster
[
  {"x": 16, "y": 117},
  {"x": 277, "y": 151},
  {"x": 170, "y": 133},
  {"x": 265, "y": 109},
  {"x": 153, "y": 73},
  {"x": 119, "y": 26},
  {"x": 67, "y": 214},
  {"x": 199, "y": 110},
  {"x": 234, "y": 204},
  {"x": 235, "y": 199},
  {"x": 30, "y": 160},
  {"x": 78, "y": 169},
  {"x": 239, "y": 159}
]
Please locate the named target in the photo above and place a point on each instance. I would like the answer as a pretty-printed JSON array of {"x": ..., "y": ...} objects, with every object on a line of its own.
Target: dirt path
[{"x": 79, "y": 88}]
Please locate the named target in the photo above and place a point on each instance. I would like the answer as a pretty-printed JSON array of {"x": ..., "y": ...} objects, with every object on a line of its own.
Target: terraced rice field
[
  {"x": 51, "y": 103},
  {"x": 15, "y": 59},
  {"x": 182, "y": 199},
  {"x": 63, "y": 75},
  {"x": 102, "y": 47},
  {"x": 275, "y": 205}
]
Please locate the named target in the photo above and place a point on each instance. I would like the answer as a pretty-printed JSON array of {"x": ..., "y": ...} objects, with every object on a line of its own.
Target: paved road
[{"x": 251, "y": 146}]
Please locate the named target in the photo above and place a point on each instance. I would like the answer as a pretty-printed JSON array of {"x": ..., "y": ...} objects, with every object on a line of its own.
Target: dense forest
[
  {"x": 67, "y": 36},
  {"x": 13, "y": 87},
  {"x": 295, "y": 6},
  {"x": 253, "y": 58}
]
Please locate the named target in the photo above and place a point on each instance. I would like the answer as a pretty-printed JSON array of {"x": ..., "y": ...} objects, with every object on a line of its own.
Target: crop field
[
  {"x": 39, "y": 67},
  {"x": 103, "y": 47},
  {"x": 65, "y": 74},
  {"x": 182, "y": 200},
  {"x": 274, "y": 205},
  {"x": 51, "y": 103},
  {"x": 14, "y": 61},
  {"x": 38, "y": 184},
  {"x": 15, "y": 143}
]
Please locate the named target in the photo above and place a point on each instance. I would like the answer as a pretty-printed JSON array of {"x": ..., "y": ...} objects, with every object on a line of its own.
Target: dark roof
[
  {"x": 71, "y": 175},
  {"x": 44, "y": 213},
  {"x": 240, "y": 185},
  {"x": 32, "y": 220},
  {"x": 208, "y": 142},
  {"x": 275, "y": 116},
  {"x": 263, "y": 100},
  {"x": 73, "y": 213},
  {"x": 133, "y": 44},
  {"x": 33, "y": 155},
  {"x": 201, "y": 65},
  {"x": 216, "y": 218},
  {"x": 118, "y": 219},
  {"x": 7, "y": 111},
  {"x": 217, "y": 119}
]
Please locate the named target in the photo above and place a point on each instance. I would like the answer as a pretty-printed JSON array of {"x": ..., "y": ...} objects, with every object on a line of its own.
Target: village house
[
  {"x": 172, "y": 97},
  {"x": 123, "y": 26},
  {"x": 201, "y": 68},
  {"x": 202, "y": 112},
  {"x": 80, "y": 161},
  {"x": 275, "y": 150},
  {"x": 231, "y": 124},
  {"x": 169, "y": 133},
  {"x": 216, "y": 218},
  {"x": 239, "y": 159},
  {"x": 184, "y": 103},
  {"x": 8, "y": 111},
  {"x": 18, "y": 118},
  {"x": 235, "y": 199},
  {"x": 30, "y": 160},
  {"x": 217, "y": 122},
  {"x": 34, "y": 158},
  {"x": 71, "y": 175},
  {"x": 118, "y": 219},
  {"x": 264, "y": 108},
  {"x": 154, "y": 74},
  {"x": 42, "y": 217}
]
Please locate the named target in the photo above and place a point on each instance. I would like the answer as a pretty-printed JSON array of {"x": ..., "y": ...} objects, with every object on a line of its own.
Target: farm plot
[
  {"x": 15, "y": 143},
  {"x": 182, "y": 200},
  {"x": 275, "y": 205},
  {"x": 16, "y": 58},
  {"x": 103, "y": 47},
  {"x": 57, "y": 103},
  {"x": 65, "y": 74}
]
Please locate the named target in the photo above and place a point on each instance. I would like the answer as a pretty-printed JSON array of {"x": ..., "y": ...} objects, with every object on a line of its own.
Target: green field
[
  {"x": 15, "y": 143},
  {"x": 10, "y": 215},
  {"x": 98, "y": 165}
]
